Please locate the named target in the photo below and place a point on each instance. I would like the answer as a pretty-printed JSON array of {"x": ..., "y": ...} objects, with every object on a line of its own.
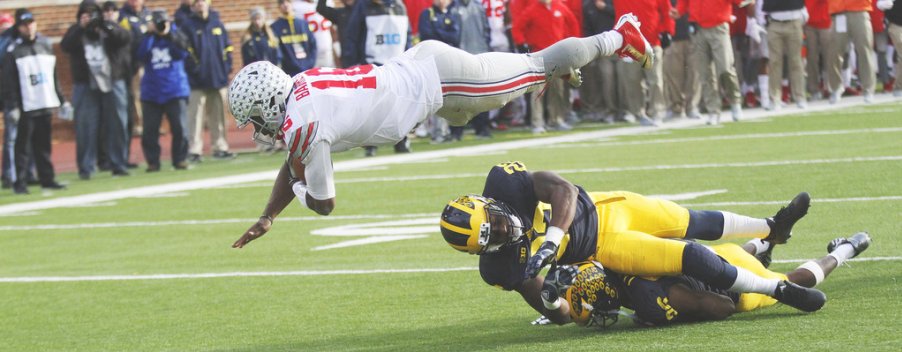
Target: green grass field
[{"x": 415, "y": 293}]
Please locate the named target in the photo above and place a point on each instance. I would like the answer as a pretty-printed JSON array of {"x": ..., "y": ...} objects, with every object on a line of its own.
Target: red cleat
[
  {"x": 751, "y": 100},
  {"x": 635, "y": 47}
]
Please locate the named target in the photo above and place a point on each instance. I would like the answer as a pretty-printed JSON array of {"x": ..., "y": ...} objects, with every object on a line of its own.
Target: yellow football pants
[
  {"x": 634, "y": 234},
  {"x": 737, "y": 256}
]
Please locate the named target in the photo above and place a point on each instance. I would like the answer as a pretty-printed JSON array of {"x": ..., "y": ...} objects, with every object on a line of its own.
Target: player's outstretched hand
[
  {"x": 544, "y": 256},
  {"x": 254, "y": 232}
]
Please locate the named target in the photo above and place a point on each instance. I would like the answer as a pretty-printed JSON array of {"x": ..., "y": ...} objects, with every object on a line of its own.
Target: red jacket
[
  {"x": 877, "y": 19},
  {"x": 837, "y": 6},
  {"x": 576, "y": 8},
  {"x": 819, "y": 16},
  {"x": 653, "y": 14},
  {"x": 737, "y": 28},
  {"x": 708, "y": 13},
  {"x": 414, "y": 9},
  {"x": 540, "y": 26}
]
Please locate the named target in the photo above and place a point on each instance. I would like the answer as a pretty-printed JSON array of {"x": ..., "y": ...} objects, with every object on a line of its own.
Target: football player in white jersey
[
  {"x": 324, "y": 110},
  {"x": 321, "y": 28}
]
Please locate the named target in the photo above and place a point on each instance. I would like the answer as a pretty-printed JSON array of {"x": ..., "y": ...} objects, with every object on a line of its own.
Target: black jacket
[
  {"x": 9, "y": 81},
  {"x": 115, "y": 43}
]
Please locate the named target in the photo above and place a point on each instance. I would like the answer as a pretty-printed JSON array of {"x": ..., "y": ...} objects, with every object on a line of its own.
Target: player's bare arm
[
  {"x": 561, "y": 195},
  {"x": 553, "y": 189},
  {"x": 279, "y": 198},
  {"x": 531, "y": 290}
]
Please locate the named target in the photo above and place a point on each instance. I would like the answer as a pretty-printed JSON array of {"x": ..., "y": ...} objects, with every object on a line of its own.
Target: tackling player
[
  {"x": 323, "y": 111},
  {"x": 594, "y": 295},
  {"x": 524, "y": 221}
]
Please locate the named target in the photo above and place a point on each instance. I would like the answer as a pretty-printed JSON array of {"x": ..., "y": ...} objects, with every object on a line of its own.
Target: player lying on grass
[
  {"x": 594, "y": 295},
  {"x": 523, "y": 220},
  {"x": 324, "y": 110}
]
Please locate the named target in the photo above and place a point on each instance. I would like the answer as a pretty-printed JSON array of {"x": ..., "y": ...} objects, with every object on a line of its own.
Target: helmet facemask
[
  {"x": 501, "y": 228},
  {"x": 267, "y": 121}
]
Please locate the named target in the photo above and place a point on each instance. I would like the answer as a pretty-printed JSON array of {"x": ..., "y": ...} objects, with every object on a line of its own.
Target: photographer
[
  {"x": 98, "y": 51},
  {"x": 164, "y": 89}
]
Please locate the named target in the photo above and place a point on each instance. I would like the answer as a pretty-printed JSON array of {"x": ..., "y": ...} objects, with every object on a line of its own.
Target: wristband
[
  {"x": 267, "y": 217},
  {"x": 300, "y": 190},
  {"x": 554, "y": 235},
  {"x": 552, "y": 305}
]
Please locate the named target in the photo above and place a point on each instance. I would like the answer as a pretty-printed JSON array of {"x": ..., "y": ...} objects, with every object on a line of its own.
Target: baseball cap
[{"x": 24, "y": 16}]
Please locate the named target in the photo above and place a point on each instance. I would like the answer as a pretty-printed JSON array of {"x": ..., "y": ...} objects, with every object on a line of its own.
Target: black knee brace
[
  {"x": 705, "y": 225},
  {"x": 703, "y": 264}
]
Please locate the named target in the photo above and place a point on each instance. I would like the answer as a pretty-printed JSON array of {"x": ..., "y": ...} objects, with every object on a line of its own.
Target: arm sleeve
[
  {"x": 318, "y": 172},
  {"x": 71, "y": 40},
  {"x": 10, "y": 79},
  {"x": 144, "y": 48},
  {"x": 426, "y": 31},
  {"x": 667, "y": 23},
  {"x": 329, "y": 13}
]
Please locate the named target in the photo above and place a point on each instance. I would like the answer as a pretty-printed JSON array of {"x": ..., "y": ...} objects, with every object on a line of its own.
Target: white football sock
[
  {"x": 760, "y": 245},
  {"x": 842, "y": 253},
  {"x": 608, "y": 42},
  {"x": 746, "y": 281},
  {"x": 763, "y": 84},
  {"x": 740, "y": 226},
  {"x": 815, "y": 270}
]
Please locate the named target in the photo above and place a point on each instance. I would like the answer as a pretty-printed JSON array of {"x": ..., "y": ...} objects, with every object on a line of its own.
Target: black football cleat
[
  {"x": 765, "y": 257},
  {"x": 781, "y": 224},
  {"x": 798, "y": 297},
  {"x": 859, "y": 241}
]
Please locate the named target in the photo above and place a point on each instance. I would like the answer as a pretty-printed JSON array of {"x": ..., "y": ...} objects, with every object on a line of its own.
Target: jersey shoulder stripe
[{"x": 307, "y": 134}]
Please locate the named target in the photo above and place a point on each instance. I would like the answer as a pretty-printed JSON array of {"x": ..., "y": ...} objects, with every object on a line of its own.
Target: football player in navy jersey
[
  {"x": 595, "y": 295},
  {"x": 524, "y": 221}
]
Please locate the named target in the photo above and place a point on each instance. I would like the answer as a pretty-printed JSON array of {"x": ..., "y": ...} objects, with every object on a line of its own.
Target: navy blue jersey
[
  {"x": 511, "y": 184},
  {"x": 649, "y": 298}
]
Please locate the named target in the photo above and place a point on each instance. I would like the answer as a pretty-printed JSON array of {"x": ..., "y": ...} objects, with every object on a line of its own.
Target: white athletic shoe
[{"x": 736, "y": 110}]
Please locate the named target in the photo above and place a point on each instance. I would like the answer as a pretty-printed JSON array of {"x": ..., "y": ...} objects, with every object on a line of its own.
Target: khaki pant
[
  {"x": 818, "y": 41},
  {"x": 598, "y": 94},
  {"x": 206, "y": 105},
  {"x": 681, "y": 88},
  {"x": 858, "y": 30},
  {"x": 555, "y": 101},
  {"x": 642, "y": 90},
  {"x": 895, "y": 35},
  {"x": 784, "y": 38},
  {"x": 712, "y": 47}
]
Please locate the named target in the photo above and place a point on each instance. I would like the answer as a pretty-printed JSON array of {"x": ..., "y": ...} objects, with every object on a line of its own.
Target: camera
[{"x": 160, "y": 19}]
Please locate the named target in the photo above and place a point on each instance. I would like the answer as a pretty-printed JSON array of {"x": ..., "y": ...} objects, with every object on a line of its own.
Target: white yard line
[
  {"x": 607, "y": 143},
  {"x": 208, "y": 222},
  {"x": 483, "y": 149},
  {"x": 34, "y": 279}
]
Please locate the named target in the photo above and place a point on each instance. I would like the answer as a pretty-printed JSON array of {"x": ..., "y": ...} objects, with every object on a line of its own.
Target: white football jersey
[
  {"x": 321, "y": 28},
  {"x": 360, "y": 106},
  {"x": 494, "y": 12}
]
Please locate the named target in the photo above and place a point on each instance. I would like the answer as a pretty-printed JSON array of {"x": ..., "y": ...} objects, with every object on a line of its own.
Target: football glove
[
  {"x": 884, "y": 5},
  {"x": 560, "y": 278},
  {"x": 544, "y": 256}
]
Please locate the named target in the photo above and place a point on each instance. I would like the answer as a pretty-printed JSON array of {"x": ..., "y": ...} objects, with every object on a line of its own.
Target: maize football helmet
[
  {"x": 257, "y": 95},
  {"x": 593, "y": 296},
  {"x": 477, "y": 225}
]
